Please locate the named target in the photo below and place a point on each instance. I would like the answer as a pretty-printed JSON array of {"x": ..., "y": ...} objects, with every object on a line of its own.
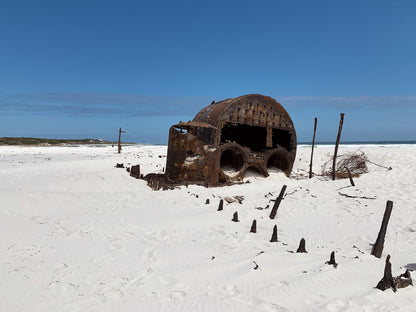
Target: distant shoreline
[{"x": 28, "y": 141}]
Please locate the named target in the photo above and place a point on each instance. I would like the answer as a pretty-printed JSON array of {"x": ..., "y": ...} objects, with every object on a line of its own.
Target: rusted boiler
[{"x": 227, "y": 138}]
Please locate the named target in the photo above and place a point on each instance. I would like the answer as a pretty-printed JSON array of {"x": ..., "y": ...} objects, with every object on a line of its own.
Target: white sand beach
[{"x": 78, "y": 234}]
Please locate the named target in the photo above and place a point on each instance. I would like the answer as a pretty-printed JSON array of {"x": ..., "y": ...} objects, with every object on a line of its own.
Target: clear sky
[{"x": 82, "y": 69}]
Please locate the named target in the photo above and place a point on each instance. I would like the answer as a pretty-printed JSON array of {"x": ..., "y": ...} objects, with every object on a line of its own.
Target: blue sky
[{"x": 77, "y": 69}]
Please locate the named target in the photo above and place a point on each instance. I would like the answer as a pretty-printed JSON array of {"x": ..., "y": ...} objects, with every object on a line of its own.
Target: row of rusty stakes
[
  {"x": 253, "y": 229},
  {"x": 272, "y": 213}
]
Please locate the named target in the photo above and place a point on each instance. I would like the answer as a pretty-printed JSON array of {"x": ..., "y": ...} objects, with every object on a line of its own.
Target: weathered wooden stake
[
  {"x": 378, "y": 246},
  {"x": 119, "y": 140},
  {"x": 220, "y": 206},
  {"x": 332, "y": 260},
  {"x": 350, "y": 177},
  {"x": 253, "y": 226},
  {"x": 336, "y": 145},
  {"x": 387, "y": 280},
  {"x": 313, "y": 145},
  {"x": 277, "y": 202},
  {"x": 235, "y": 217},
  {"x": 135, "y": 171},
  {"x": 274, "y": 235},
  {"x": 301, "y": 247}
]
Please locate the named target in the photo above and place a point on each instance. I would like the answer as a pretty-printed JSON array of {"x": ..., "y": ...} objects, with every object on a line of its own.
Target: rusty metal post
[
  {"x": 336, "y": 145},
  {"x": 313, "y": 145}
]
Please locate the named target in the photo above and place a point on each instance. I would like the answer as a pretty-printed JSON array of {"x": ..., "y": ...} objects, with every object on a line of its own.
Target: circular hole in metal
[
  {"x": 277, "y": 162},
  {"x": 232, "y": 160}
]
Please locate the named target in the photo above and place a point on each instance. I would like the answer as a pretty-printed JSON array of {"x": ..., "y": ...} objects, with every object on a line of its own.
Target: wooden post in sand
[
  {"x": 274, "y": 235},
  {"x": 332, "y": 260},
  {"x": 277, "y": 202},
  {"x": 336, "y": 145},
  {"x": 253, "y": 226},
  {"x": 301, "y": 248},
  {"x": 119, "y": 140},
  {"x": 235, "y": 217},
  {"x": 313, "y": 144},
  {"x": 387, "y": 280},
  {"x": 221, "y": 205},
  {"x": 378, "y": 246}
]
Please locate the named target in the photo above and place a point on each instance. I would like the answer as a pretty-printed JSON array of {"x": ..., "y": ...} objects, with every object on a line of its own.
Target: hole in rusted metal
[
  {"x": 277, "y": 162},
  {"x": 232, "y": 160},
  {"x": 183, "y": 130},
  {"x": 252, "y": 137},
  {"x": 282, "y": 138}
]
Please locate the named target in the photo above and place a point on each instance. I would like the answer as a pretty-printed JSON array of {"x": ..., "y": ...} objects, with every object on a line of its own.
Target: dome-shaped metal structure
[{"x": 227, "y": 138}]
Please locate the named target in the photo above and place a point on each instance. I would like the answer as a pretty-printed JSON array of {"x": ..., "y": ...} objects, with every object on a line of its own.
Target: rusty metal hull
[{"x": 226, "y": 139}]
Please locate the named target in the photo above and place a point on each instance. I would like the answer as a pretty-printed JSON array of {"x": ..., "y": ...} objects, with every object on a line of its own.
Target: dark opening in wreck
[{"x": 227, "y": 138}]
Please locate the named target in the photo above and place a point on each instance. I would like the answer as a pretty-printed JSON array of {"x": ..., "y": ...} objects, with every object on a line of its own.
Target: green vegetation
[{"x": 38, "y": 141}]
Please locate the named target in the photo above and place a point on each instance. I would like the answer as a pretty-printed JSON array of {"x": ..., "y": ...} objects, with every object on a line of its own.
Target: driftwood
[
  {"x": 234, "y": 199},
  {"x": 388, "y": 281},
  {"x": 355, "y": 163},
  {"x": 301, "y": 248},
  {"x": 235, "y": 217},
  {"x": 221, "y": 205},
  {"x": 350, "y": 177},
  {"x": 313, "y": 145},
  {"x": 332, "y": 260},
  {"x": 402, "y": 280},
  {"x": 277, "y": 202},
  {"x": 337, "y": 144},
  {"x": 274, "y": 235},
  {"x": 378, "y": 246},
  {"x": 354, "y": 196},
  {"x": 253, "y": 226}
]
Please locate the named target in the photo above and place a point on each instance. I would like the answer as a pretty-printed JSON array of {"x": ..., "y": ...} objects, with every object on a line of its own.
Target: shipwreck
[{"x": 225, "y": 140}]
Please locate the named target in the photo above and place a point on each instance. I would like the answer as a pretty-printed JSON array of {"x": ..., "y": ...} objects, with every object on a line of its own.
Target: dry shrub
[{"x": 354, "y": 162}]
